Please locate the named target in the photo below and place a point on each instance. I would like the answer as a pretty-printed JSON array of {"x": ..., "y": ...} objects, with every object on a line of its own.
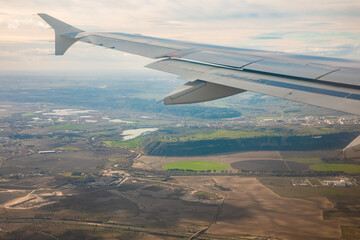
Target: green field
[
  {"x": 196, "y": 166},
  {"x": 253, "y": 132},
  {"x": 28, "y": 114},
  {"x": 99, "y": 133},
  {"x": 223, "y": 134},
  {"x": 305, "y": 160},
  {"x": 305, "y": 130},
  {"x": 68, "y": 148},
  {"x": 333, "y": 167},
  {"x": 68, "y": 127},
  {"x": 132, "y": 144}
]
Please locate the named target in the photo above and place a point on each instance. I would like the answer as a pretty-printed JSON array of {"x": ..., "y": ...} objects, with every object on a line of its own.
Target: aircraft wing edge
[{"x": 340, "y": 99}]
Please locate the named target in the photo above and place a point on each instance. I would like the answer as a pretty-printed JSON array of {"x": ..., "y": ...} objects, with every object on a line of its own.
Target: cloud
[
  {"x": 269, "y": 36},
  {"x": 324, "y": 27},
  {"x": 14, "y": 25}
]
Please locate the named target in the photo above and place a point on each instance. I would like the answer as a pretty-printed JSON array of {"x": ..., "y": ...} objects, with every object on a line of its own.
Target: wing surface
[{"x": 213, "y": 71}]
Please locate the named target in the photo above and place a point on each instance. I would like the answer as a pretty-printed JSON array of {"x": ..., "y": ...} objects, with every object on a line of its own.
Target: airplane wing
[{"x": 214, "y": 72}]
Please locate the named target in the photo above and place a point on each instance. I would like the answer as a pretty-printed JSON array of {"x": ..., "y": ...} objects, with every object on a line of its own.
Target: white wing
[{"x": 214, "y": 72}]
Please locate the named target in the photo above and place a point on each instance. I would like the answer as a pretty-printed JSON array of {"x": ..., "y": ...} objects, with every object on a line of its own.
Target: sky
[{"x": 320, "y": 27}]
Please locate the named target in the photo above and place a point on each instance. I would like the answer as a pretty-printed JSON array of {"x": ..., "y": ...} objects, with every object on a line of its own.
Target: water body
[
  {"x": 134, "y": 133},
  {"x": 67, "y": 112},
  {"x": 90, "y": 121},
  {"x": 118, "y": 121}
]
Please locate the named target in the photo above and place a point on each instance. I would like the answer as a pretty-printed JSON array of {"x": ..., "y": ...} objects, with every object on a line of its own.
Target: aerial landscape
[
  {"x": 72, "y": 168},
  {"x": 93, "y": 146}
]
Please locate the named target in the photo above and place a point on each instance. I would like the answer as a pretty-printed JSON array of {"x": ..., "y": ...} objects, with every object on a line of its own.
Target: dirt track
[{"x": 32, "y": 200}]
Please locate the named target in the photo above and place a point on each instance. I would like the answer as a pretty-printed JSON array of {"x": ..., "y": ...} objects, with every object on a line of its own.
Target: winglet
[{"x": 62, "y": 43}]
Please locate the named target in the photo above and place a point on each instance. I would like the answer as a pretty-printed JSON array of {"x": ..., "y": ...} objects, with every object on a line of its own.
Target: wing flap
[
  {"x": 289, "y": 69},
  {"x": 341, "y": 99},
  {"x": 222, "y": 59},
  {"x": 199, "y": 91},
  {"x": 345, "y": 76}
]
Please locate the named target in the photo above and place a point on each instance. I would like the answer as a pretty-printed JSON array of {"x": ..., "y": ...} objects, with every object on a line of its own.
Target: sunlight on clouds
[{"x": 323, "y": 27}]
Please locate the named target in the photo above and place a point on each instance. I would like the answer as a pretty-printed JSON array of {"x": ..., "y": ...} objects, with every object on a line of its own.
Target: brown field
[
  {"x": 65, "y": 161},
  {"x": 252, "y": 208},
  {"x": 169, "y": 207},
  {"x": 310, "y": 154},
  {"x": 180, "y": 205},
  {"x": 146, "y": 206}
]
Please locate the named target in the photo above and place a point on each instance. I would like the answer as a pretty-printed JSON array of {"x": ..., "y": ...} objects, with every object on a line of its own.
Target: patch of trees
[{"x": 268, "y": 143}]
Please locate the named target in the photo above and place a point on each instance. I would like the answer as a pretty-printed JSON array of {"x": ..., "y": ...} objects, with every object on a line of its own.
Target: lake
[{"x": 134, "y": 133}]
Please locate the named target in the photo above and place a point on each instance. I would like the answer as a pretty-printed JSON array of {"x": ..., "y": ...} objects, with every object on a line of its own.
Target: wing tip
[{"x": 62, "y": 43}]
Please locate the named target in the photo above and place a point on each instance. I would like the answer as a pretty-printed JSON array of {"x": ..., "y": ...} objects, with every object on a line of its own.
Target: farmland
[
  {"x": 28, "y": 114},
  {"x": 80, "y": 176},
  {"x": 132, "y": 144},
  {"x": 68, "y": 127},
  {"x": 196, "y": 166},
  {"x": 333, "y": 167},
  {"x": 68, "y": 148},
  {"x": 305, "y": 160},
  {"x": 224, "y": 134},
  {"x": 282, "y": 187},
  {"x": 268, "y": 165},
  {"x": 251, "y": 132}
]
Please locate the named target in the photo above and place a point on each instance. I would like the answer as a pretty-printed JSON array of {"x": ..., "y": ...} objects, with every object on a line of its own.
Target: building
[{"x": 338, "y": 183}]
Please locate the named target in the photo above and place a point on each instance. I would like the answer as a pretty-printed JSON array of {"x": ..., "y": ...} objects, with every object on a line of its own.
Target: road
[{"x": 104, "y": 225}]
